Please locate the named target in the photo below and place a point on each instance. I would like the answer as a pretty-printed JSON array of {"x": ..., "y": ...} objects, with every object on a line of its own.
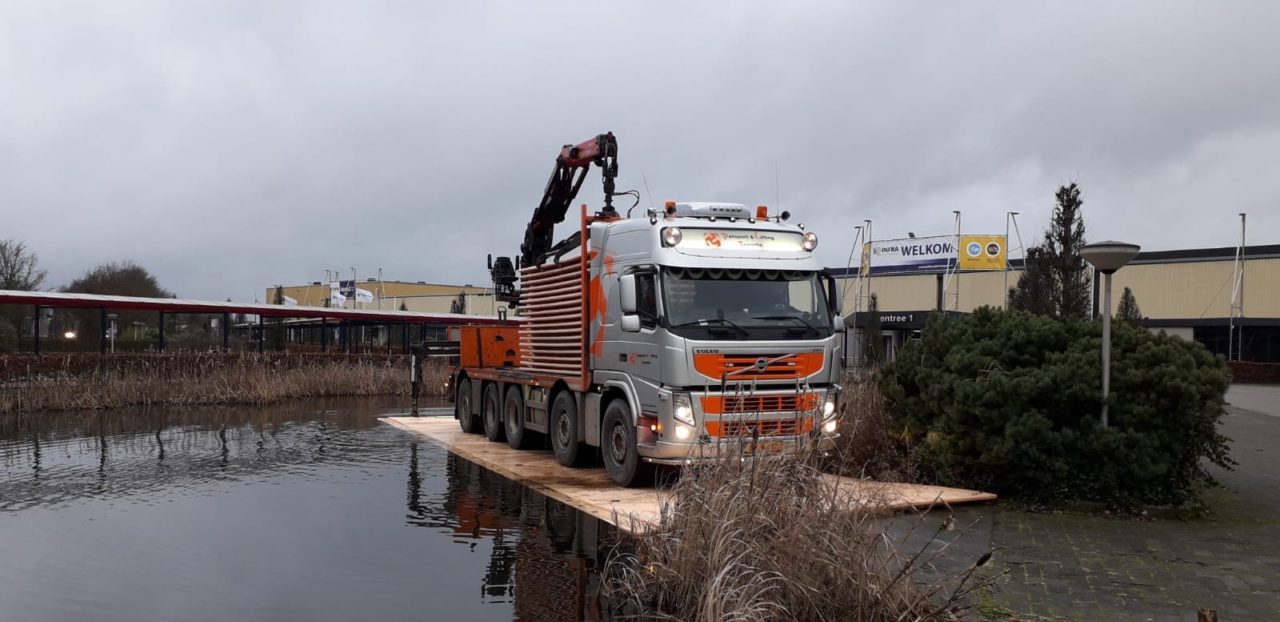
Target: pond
[{"x": 312, "y": 510}]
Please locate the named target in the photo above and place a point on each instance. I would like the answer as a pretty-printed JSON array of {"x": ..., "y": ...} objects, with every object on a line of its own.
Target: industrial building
[
  {"x": 1203, "y": 294},
  {"x": 418, "y": 296}
]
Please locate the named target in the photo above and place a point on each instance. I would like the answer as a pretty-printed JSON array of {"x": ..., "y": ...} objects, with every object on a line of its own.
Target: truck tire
[
  {"x": 491, "y": 413},
  {"x": 464, "y": 410},
  {"x": 513, "y": 418},
  {"x": 618, "y": 447},
  {"x": 564, "y": 430}
]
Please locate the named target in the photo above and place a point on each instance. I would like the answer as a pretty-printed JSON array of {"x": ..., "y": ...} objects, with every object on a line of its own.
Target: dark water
[{"x": 311, "y": 511}]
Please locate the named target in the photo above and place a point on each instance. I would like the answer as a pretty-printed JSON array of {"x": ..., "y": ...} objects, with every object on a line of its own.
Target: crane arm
[
  {"x": 566, "y": 179},
  {"x": 570, "y": 170}
]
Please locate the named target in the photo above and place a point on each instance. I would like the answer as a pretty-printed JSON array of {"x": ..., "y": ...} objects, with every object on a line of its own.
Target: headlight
[
  {"x": 829, "y": 427},
  {"x": 829, "y": 407},
  {"x": 671, "y": 236},
  {"x": 810, "y": 240},
  {"x": 682, "y": 407},
  {"x": 683, "y": 432}
]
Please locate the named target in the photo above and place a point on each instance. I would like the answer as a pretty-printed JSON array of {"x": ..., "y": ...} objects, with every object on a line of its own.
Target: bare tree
[{"x": 19, "y": 268}]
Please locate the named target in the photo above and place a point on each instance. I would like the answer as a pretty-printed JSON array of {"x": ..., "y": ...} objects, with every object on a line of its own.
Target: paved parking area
[{"x": 1075, "y": 567}]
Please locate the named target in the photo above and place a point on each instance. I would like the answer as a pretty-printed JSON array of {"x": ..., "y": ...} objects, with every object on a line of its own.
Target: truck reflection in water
[{"x": 546, "y": 558}]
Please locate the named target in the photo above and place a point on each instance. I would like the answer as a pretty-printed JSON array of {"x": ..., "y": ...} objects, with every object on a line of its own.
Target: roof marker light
[
  {"x": 762, "y": 212},
  {"x": 810, "y": 241}
]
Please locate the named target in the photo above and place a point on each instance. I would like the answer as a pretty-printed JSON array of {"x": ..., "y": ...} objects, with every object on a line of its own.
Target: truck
[{"x": 685, "y": 333}]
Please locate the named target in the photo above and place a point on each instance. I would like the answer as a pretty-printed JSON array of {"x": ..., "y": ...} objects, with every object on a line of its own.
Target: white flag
[
  {"x": 363, "y": 295},
  {"x": 336, "y": 298},
  {"x": 290, "y": 302}
]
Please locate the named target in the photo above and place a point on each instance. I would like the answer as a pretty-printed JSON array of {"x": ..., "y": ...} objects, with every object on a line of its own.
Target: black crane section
[{"x": 570, "y": 170}]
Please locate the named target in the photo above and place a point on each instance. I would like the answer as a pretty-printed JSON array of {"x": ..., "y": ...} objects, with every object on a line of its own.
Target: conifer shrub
[{"x": 1009, "y": 401}]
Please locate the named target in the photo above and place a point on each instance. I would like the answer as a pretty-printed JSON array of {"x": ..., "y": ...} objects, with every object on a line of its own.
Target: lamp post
[
  {"x": 1107, "y": 257},
  {"x": 111, "y": 332}
]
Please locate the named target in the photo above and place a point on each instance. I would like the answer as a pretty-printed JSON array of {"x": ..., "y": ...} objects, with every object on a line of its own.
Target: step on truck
[{"x": 678, "y": 335}]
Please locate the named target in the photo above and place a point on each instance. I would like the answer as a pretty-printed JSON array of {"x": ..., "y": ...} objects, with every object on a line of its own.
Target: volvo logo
[{"x": 762, "y": 364}]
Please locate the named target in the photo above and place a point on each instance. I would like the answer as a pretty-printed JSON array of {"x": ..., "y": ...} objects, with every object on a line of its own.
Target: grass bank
[{"x": 91, "y": 381}]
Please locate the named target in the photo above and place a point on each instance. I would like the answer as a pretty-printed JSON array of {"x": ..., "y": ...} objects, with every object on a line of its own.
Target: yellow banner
[{"x": 983, "y": 252}]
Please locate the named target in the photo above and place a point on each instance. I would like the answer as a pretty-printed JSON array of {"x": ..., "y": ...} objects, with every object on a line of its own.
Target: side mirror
[
  {"x": 631, "y": 323},
  {"x": 835, "y": 303},
  {"x": 627, "y": 293}
]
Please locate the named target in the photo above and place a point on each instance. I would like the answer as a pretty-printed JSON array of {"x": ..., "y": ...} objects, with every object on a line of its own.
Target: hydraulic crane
[{"x": 570, "y": 170}]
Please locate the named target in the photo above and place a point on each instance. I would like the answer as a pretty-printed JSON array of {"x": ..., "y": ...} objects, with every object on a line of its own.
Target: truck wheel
[
  {"x": 491, "y": 413},
  {"x": 618, "y": 447},
  {"x": 463, "y": 409},
  {"x": 564, "y": 429},
  {"x": 513, "y": 418}
]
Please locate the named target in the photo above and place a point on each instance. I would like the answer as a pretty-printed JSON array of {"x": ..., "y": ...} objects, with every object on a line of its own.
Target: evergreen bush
[{"x": 1009, "y": 401}]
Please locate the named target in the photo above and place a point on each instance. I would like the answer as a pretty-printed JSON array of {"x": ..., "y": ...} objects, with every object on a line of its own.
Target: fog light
[
  {"x": 829, "y": 427},
  {"x": 683, "y": 432}
]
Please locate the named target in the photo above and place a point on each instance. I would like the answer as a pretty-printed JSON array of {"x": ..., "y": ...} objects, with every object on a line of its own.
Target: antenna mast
[{"x": 1234, "y": 324}]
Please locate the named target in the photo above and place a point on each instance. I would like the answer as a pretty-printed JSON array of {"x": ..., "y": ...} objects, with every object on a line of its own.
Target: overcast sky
[{"x": 231, "y": 146}]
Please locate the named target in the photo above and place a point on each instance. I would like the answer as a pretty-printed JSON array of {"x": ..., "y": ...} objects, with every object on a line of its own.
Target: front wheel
[{"x": 618, "y": 446}]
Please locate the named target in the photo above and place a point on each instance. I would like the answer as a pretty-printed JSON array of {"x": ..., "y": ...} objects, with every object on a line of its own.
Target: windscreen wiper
[
  {"x": 718, "y": 320},
  {"x": 807, "y": 325}
]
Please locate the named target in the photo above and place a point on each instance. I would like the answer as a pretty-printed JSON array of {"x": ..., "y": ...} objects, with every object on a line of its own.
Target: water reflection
[
  {"x": 545, "y": 557},
  {"x": 310, "y": 511},
  {"x": 69, "y": 456}
]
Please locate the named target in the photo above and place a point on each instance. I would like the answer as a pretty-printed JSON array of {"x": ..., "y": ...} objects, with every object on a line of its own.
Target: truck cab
[{"x": 720, "y": 328}]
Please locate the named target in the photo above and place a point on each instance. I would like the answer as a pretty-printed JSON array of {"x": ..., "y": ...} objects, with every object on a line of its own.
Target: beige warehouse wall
[
  {"x": 1186, "y": 290},
  {"x": 1193, "y": 290}
]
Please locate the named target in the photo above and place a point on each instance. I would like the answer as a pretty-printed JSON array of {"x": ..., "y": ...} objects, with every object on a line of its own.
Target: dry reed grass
[
  {"x": 190, "y": 379},
  {"x": 868, "y": 446},
  {"x": 770, "y": 539}
]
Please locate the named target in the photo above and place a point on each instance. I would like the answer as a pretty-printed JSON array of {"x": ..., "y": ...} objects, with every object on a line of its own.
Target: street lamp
[
  {"x": 111, "y": 332},
  {"x": 1107, "y": 257}
]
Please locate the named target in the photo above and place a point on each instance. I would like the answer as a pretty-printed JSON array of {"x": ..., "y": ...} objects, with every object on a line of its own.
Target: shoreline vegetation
[
  {"x": 803, "y": 555},
  {"x": 71, "y": 382}
]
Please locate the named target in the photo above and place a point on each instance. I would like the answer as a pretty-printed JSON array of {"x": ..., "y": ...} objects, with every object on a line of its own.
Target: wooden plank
[{"x": 636, "y": 509}]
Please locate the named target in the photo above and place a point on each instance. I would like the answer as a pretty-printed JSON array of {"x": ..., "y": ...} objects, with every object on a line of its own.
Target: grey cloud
[{"x": 236, "y": 145}]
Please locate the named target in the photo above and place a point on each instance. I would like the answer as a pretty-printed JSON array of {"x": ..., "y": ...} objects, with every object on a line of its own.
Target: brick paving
[{"x": 1076, "y": 567}]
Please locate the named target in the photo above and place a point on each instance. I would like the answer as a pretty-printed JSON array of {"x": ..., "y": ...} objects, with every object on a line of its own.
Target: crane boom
[{"x": 570, "y": 170}]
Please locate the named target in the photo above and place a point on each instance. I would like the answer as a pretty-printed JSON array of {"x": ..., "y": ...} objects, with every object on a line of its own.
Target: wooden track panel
[{"x": 636, "y": 509}]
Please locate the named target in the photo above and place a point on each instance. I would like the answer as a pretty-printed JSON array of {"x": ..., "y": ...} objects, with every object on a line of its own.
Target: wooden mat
[{"x": 634, "y": 509}]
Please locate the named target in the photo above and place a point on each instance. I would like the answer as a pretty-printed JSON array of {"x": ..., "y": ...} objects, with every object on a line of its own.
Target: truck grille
[
  {"x": 770, "y": 427},
  {"x": 787, "y": 402},
  {"x": 746, "y": 366}
]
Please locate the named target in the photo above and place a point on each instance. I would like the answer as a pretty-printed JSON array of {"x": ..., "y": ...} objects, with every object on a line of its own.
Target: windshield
[{"x": 731, "y": 304}]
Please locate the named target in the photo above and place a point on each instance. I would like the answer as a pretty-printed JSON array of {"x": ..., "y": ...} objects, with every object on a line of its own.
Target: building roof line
[{"x": 180, "y": 305}]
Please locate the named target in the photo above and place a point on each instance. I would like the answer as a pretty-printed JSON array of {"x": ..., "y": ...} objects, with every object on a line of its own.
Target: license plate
[{"x": 762, "y": 447}]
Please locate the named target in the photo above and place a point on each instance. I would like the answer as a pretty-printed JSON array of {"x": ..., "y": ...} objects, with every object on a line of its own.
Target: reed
[
  {"x": 772, "y": 539},
  {"x": 80, "y": 382}
]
